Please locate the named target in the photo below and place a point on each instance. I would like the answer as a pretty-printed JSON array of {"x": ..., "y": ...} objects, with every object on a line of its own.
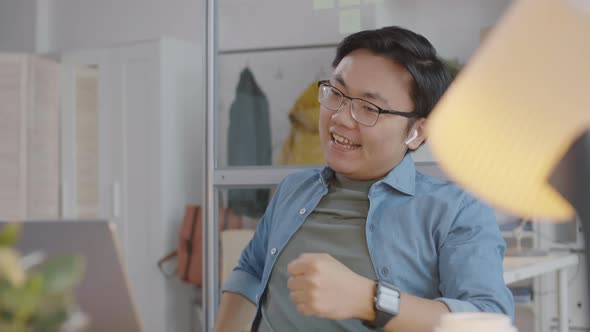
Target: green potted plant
[{"x": 36, "y": 294}]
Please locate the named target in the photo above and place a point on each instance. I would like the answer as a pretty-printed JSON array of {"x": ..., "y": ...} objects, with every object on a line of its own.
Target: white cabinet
[
  {"x": 29, "y": 137},
  {"x": 564, "y": 237},
  {"x": 150, "y": 140}
]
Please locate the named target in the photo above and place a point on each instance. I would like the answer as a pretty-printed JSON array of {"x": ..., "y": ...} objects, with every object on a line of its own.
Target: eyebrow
[{"x": 370, "y": 95}]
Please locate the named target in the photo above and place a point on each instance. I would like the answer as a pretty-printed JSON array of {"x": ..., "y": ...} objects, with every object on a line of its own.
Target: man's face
[{"x": 370, "y": 152}]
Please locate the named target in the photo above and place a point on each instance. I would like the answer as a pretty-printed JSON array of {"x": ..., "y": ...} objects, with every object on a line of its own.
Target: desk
[{"x": 520, "y": 268}]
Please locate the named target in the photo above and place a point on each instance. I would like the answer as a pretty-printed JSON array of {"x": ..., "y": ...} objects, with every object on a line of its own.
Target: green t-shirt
[{"x": 335, "y": 227}]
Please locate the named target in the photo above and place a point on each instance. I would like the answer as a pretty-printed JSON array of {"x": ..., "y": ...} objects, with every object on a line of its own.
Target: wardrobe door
[
  {"x": 43, "y": 150},
  {"x": 86, "y": 133},
  {"x": 13, "y": 101}
]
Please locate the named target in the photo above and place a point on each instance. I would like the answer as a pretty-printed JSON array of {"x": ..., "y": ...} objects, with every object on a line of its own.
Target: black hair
[{"x": 430, "y": 74}]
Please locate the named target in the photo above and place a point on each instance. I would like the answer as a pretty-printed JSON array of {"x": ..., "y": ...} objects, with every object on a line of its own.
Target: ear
[{"x": 420, "y": 127}]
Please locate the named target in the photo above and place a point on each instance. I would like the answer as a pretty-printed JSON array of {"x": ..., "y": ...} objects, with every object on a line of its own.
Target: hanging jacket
[
  {"x": 249, "y": 142},
  {"x": 303, "y": 146}
]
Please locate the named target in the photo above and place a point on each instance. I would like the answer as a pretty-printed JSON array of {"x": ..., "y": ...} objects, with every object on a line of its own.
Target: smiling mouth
[{"x": 343, "y": 142}]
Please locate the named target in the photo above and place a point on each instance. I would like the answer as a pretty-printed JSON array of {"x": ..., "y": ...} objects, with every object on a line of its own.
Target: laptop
[{"x": 104, "y": 294}]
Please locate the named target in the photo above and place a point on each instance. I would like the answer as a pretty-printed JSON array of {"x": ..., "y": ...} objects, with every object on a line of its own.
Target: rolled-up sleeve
[
  {"x": 247, "y": 275},
  {"x": 470, "y": 263},
  {"x": 243, "y": 283}
]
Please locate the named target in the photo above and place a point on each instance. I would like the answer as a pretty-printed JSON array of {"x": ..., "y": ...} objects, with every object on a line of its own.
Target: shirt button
[
  {"x": 371, "y": 227},
  {"x": 302, "y": 211},
  {"x": 257, "y": 296},
  {"x": 384, "y": 271},
  {"x": 273, "y": 251}
]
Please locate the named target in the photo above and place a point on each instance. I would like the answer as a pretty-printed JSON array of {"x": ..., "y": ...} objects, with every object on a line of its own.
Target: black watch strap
[{"x": 381, "y": 317}]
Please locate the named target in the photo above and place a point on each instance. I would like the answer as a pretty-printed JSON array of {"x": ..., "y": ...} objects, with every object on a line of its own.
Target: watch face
[{"x": 387, "y": 299}]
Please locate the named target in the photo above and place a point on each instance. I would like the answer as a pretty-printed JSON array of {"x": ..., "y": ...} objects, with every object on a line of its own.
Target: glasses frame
[{"x": 380, "y": 110}]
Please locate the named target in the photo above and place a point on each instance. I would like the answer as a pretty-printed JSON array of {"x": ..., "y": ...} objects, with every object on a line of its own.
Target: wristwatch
[{"x": 386, "y": 304}]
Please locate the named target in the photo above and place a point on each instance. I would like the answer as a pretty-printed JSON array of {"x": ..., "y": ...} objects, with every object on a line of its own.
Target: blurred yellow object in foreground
[{"x": 516, "y": 108}]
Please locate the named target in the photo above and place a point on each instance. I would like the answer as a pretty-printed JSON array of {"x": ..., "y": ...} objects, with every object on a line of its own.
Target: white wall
[
  {"x": 17, "y": 25},
  {"x": 263, "y": 23},
  {"x": 452, "y": 26},
  {"x": 92, "y": 24},
  {"x": 71, "y": 24},
  {"x": 181, "y": 147}
]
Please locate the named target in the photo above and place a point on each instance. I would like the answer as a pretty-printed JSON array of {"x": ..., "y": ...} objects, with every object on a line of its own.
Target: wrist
[{"x": 366, "y": 308}]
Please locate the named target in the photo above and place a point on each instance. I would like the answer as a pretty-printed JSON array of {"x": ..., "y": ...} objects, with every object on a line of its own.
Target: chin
[{"x": 340, "y": 167}]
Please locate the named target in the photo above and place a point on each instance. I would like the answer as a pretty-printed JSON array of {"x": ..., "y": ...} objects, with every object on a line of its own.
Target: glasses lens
[
  {"x": 329, "y": 97},
  {"x": 364, "y": 112}
]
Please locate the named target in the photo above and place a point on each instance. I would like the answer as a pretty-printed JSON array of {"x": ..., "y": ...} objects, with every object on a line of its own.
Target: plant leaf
[
  {"x": 9, "y": 234},
  {"x": 11, "y": 267},
  {"x": 62, "y": 273},
  {"x": 50, "y": 321},
  {"x": 20, "y": 302}
]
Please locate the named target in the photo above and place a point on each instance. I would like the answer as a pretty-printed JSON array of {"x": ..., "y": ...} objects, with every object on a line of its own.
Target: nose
[{"x": 343, "y": 116}]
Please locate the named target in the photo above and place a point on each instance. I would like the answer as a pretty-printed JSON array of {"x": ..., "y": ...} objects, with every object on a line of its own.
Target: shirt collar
[
  {"x": 402, "y": 177},
  {"x": 326, "y": 175}
]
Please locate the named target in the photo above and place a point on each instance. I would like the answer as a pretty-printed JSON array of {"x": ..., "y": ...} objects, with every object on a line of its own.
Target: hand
[{"x": 321, "y": 286}]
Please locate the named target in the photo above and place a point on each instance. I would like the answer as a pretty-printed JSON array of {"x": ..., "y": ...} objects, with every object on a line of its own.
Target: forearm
[
  {"x": 416, "y": 314},
  {"x": 235, "y": 313}
]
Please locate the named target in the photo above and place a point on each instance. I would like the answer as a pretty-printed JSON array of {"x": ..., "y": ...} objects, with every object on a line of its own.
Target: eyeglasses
[{"x": 363, "y": 112}]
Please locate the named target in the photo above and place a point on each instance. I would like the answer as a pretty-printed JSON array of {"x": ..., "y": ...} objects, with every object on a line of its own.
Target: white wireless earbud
[{"x": 414, "y": 136}]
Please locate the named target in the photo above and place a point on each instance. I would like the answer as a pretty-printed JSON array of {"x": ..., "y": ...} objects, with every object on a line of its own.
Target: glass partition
[{"x": 270, "y": 60}]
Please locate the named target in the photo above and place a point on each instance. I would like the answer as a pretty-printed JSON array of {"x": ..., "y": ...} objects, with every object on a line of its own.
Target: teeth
[{"x": 342, "y": 140}]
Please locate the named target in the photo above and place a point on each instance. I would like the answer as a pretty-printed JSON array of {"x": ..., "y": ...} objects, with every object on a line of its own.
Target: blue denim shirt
[{"x": 426, "y": 236}]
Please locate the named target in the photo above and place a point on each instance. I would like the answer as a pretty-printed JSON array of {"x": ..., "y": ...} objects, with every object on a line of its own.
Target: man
[{"x": 368, "y": 242}]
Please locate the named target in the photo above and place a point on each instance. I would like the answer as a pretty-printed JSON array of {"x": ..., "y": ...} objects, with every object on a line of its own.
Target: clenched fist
[{"x": 321, "y": 286}]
